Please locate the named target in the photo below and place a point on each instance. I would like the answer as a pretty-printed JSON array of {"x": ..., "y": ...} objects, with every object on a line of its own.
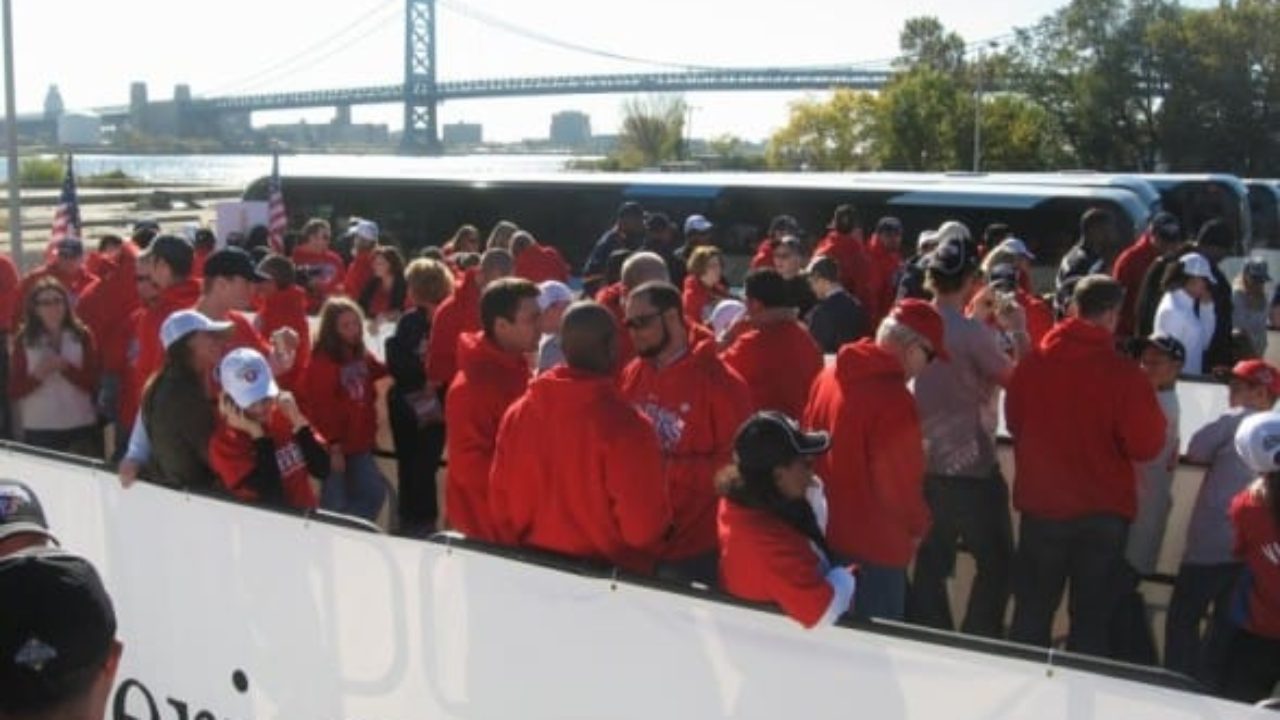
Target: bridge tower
[{"x": 421, "y": 134}]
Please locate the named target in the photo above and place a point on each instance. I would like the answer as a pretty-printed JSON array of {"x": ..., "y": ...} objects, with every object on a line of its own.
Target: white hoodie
[{"x": 1176, "y": 316}]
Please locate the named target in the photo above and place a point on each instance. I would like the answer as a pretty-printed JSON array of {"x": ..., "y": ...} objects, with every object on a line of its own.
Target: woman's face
[
  {"x": 381, "y": 267},
  {"x": 260, "y": 411},
  {"x": 793, "y": 479},
  {"x": 349, "y": 329},
  {"x": 51, "y": 308},
  {"x": 711, "y": 276},
  {"x": 1197, "y": 287}
]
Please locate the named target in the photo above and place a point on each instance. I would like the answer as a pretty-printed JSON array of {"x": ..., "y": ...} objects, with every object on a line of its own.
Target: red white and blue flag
[
  {"x": 277, "y": 218},
  {"x": 66, "y": 219}
]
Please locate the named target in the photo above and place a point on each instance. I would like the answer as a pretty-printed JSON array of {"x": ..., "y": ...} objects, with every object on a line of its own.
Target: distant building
[
  {"x": 303, "y": 134},
  {"x": 79, "y": 129},
  {"x": 53, "y": 106},
  {"x": 570, "y": 129},
  {"x": 462, "y": 133}
]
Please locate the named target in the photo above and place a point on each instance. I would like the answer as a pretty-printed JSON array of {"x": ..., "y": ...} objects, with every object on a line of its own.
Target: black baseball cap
[
  {"x": 1166, "y": 344},
  {"x": 20, "y": 511},
  {"x": 631, "y": 209},
  {"x": 58, "y": 628},
  {"x": 954, "y": 257},
  {"x": 770, "y": 439},
  {"x": 1166, "y": 225},
  {"x": 232, "y": 262},
  {"x": 176, "y": 252}
]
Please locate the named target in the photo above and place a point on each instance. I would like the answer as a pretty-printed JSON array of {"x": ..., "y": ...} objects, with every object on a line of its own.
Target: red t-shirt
[
  {"x": 779, "y": 362},
  {"x": 340, "y": 399},
  {"x": 232, "y": 457},
  {"x": 1258, "y": 545}
]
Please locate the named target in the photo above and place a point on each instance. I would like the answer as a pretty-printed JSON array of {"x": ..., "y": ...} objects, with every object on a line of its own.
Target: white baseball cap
[
  {"x": 1258, "y": 442},
  {"x": 185, "y": 322},
  {"x": 696, "y": 224},
  {"x": 724, "y": 315},
  {"x": 1197, "y": 265},
  {"x": 365, "y": 229},
  {"x": 246, "y": 377},
  {"x": 553, "y": 292},
  {"x": 1015, "y": 246}
]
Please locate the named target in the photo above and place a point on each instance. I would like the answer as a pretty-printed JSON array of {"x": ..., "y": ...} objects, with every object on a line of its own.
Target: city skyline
[{"x": 214, "y": 51}]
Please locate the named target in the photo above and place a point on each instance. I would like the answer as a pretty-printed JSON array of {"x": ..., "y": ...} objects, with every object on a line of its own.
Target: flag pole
[{"x": 11, "y": 131}]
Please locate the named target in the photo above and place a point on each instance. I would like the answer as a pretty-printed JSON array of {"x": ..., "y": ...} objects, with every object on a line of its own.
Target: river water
[{"x": 240, "y": 170}]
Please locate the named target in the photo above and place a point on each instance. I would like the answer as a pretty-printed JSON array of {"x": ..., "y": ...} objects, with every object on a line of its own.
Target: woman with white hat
[{"x": 1186, "y": 311}]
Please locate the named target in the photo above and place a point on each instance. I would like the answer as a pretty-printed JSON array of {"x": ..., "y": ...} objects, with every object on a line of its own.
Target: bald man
[{"x": 640, "y": 268}]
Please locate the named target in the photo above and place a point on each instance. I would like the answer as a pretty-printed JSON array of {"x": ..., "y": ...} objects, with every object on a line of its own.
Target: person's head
[
  {"x": 522, "y": 240},
  {"x": 1001, "y": 276},
  {"x": 68, "y": 255},
  {"x": 1162, "y": 358},
  {"x": 246, "y": 378},
  {"x": 465, "y": 239},
  {"x": 364, "y": 234},
  {"x": 192, "y": 342},
  {"x": 509, "y": 314},
  {"x": 613, "y": 265},
  {"x": 428, "y": 282},
  {"x": 204, "y": 240},
  {"x": 1254, "y": 385},
  {"x": 658, "y": 229},
  {"x": 643, "y": 267},
  {"x": 994, "y": 234},
  {"x": 316, "y": 235},
  {"x": 554, "y": 297},
  {"x": 1255, "y": 274},
  {"x": 431, "y": 252},
  {"x": 144, "y": 231},
  {"x": 276, "y": 272},
  {"x": 655, "y": 320},
  {"x": 926, "y": 242},
  {"x": 260, "y": 236},
  {"x": 58, "y": 649},
  {"x": 788, "y": 257},
  {"x": 1099, "y": 231},
  {"x": 169, "y": 259},
  {"x": 824, "y": 276},
  {"x": 706, "y": 263},
  {"x": 589, "y": 338},
  {"x": 1214, "y": 240},
  {"x": 110, "y": 246},
  {"x": 1191, "y": 273},
  {"x": 774, "y": 461},
  {"x": 889, "y": 233},
  {"x": 1257, "y": 443},
  {"x": 724, "y": 315},
  {"x": 698, "y": 231},
  {"x": 387, "y": 263},
  {"x": 1097, "y": 300},
  {"x": 500, "y": 235},
  {"x": 631, "y": 218},
  {"x": 230, "y": 276},
  {"x": 1165, "y": 231},
  {"x": 844, "y": 219},
  {"x": 341, "y": 333},
  {"x": 1016, "y": 251},
  {"x": 467, "y": 261},
  {"x": 954, "y": 270},
  {"x": 913, "y": 333},
  {"x": 147, "y": 288},
  {"x": 766, "y": 289},
  {"x": 47, "y": 312},
  {"x": 782, "y": 225},
  {"x": 22, "y": 521},
  {"x": 495, "y": 264}
]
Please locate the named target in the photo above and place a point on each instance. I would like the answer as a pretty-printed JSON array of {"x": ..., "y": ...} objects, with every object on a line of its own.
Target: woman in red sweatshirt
[
  {"x": 704, "y": 284},
  {"x": 54, "y": 374},
  {"x": 383, "y": 294},
  {"x": 340, "y": 397}
]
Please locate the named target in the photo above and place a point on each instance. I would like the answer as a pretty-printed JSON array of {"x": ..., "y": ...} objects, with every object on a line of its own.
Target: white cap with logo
[
  {"x": 185, "y": 322},
  {"x": 1258, "y": 442},
  {"x": 1015, "y": 246},
  {"x": 246, "y": 377}
]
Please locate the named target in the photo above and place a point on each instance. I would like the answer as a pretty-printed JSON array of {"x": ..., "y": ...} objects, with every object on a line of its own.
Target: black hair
[
  {"x": 767, "y": 287},
  {"x": 1095, "y": 219},
  {"x": 204, "y": 238},
  {"x": 258, "y": 235},
  {"x": 663, "y": 296},
  {"x": 106, "y": 242},
  {"x": 501, "y": 299}
]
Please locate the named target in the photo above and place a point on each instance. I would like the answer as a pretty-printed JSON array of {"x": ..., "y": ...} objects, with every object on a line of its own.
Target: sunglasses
[
  {"x": 640, "y": 321},
  {"x": 49, "y": 302}
]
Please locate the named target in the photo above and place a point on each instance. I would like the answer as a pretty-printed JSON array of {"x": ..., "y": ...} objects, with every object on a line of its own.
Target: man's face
[
  {"x": 147, "y": 289},
  {"x": 787, "y": 261},
  {"x": 319, "y": 240},
  {"x": 891, "y": 239},
  {"x": 1161, "y": 369},
  {"x": 647, "y": 326},
  {"x": 238, "y": 292},
  {"x": 69, "y": 264},
  {"x": 521, "y": 335}
]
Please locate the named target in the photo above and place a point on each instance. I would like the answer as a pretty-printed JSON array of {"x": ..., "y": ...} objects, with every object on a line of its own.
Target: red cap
[
  {"x": 1259, "y": 373},
  {"x": 925, "y": 320}
]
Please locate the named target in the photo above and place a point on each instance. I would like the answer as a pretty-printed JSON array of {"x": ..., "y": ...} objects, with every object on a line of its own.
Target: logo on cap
[
  {"x": 11, "y": 499},
  {"x": 249, "y": 374},
  {"x": 34, "y": 655}
]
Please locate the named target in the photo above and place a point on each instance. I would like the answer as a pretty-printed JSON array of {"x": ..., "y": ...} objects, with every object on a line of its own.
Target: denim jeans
[
  {"x": 1186, "y": 649},
  {"x": 1089, "y": 552},
  {"x": 881, "y": 591},
  {"x": 360, "y": 491},
  {"x": 975, "y": 510}
]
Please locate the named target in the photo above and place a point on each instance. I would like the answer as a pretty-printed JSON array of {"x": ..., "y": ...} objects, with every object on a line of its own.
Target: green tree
[
  {"x": 835, "y": 134},
  {"x": 919, "y": 121},
  {"x": 926, "y": 43},
  {"x": 652, "y": 130}
]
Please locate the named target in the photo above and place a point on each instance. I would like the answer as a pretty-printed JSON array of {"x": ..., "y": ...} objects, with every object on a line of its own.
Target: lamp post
[
  {"x": 977, "y": 109},
  {"x": 11, "y": 131}
]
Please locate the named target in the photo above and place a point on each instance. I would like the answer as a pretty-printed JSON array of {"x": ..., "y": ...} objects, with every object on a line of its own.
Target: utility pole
[
  {"x": 11, "y": 131},
  {"x": 977, "y": 118}
]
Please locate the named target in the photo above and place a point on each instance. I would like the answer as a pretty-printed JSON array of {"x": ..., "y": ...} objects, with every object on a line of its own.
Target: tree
[
  {"x": 652, "y": 130},
  {"x": 926, "y": 43},
  {"x": 836, "y": 134},
  {"x": 918, "y": 120}
]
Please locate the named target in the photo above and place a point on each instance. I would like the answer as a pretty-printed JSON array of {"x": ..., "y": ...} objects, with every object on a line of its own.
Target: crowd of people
[{"x": 661, "y": 422}]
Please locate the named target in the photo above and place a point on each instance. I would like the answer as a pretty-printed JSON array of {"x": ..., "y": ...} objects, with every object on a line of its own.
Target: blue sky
[{"x": 93, "y": 50}]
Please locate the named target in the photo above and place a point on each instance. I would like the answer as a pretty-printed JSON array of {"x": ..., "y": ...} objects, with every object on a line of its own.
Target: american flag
[
  {"x": 66, "y": 220},
  {"x": 277, "y": 218}
]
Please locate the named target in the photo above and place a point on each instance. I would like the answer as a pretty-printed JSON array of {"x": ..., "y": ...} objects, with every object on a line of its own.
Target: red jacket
[
  {"x": 10, "y": 294},
  {"x": 106, "y": 306},
  {"x": 197, "y": 262},
  {"x": 1039, "y": 316},
  {"x": 697, "y": 297},
  {"x": 762, "y": 559},
  {"x": 1130, "y": 269},
  {"x": 874, "y": 471},
  {"x": 77, "y": 284},
  {"x": 1258, "y": 546},
  {"x": 779, "y": 362},
  {"x": 539, "y": 263},
  {"x": 696, "y": 406},
  {"x": 887, "y": 265},
  {"x": 1080, "y": 415},
  {"x": 578, "y": 471},
  {"x": 231, "y": 456},
  {"x": 613, "y": 297},
  {"x": 323, "y": 273},
  {"x": 180, "y": 296},
  {"x": 764, "y": 254},
  {"x": 23, "y": 383},
  {"x": 856, "y": 272},
  {"x": 341, "y": 401},
  {"x": 358, "y": 273},
  {"x": 458, "y": 314},
  {"x": 125, "y": 356},
  {"x": 488, "y": 381},
  {"x": 287, "y": 309}
]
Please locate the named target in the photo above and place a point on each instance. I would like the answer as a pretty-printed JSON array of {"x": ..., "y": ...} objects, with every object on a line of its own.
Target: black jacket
[{"x": 837, "y": 320}]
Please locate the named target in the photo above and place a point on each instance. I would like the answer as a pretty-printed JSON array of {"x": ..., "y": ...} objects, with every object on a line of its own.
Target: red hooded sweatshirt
[
  {"x": 539, "y": 263},
  {"x": 764, "y": 254},
  {"x": 1258, "y": 546},
  {"x": 779, "y": 362},
  {"x": 857, "y": 274},
  {"x": 231, "y": 456},
  {"x": 287, "y": 309},
  {"x": 613, "y": 297},
  {"x": 1130, "y": 269},
  {"x": 77, "y": 284},
  {"x": 10, "y": 294},
  {"x": 1081, "y": 415},
  {"x": 887, "y": 264},
  {"x": 358, "y": 274},
  {"x": 697, "y": 297},
  {"x": 874, "y": 472},
  {"x": 106, "y": 306},
  {"x": 325, "y": 271},
  {"x": 341, "y": 401},
  {"x": 182, "y": 295},
  {"x": 488, "y": 381},
  {"x": 458, "y": 314},
  {"x": 125, "y": 356},
  {"x": 578, "y": 471},
  {"x": 696, "y": 405},
  {"x": 1039, "y": 316}
]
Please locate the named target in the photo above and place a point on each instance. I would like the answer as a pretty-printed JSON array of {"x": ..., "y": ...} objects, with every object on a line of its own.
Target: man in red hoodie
[
  {"x": 536, "y": 262},
  {"x": 777, "y": 356},
  {"x": 874, "y": 472},
  {"x": 460, "y": 313},
  {"x": 1081, "y": 415},
  {"x": 696, "y": 404},
  {"x": 885, "y": 251},
  {"x": 320, "y": 269},
  {"x": 577, "y": 469},
  {"x": 67, "y": 266},
  {"x": 1161, "y": 236},
  {"x": 843, "y": 243},
  {"x": 493, "y": 371}
]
